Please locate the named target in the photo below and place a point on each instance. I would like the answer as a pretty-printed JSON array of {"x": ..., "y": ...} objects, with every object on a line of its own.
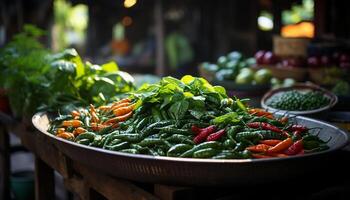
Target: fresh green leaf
[
  {"x": 178, "y": 109},
  {"x": 110, "y": 67},
  {"x": 231, "y": 117},
  {"x": 64, "y": 66}
]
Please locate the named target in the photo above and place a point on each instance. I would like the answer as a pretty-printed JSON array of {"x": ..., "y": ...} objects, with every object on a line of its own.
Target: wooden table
[{"x": 81, "y": 180}]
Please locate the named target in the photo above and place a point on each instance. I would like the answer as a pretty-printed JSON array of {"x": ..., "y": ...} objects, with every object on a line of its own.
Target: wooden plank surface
[
  {"x": 49, "y": 158},
  {"x": 44, "y": 180},
  {"x": 5, "y": 164},
  {"x": 112, "y": 188}
]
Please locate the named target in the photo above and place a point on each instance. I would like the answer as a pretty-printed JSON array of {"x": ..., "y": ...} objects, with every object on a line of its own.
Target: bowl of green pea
[{"x": 299, "y": 99}]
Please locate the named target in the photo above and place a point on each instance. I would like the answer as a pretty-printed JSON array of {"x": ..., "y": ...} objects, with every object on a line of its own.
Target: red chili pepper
[
  {"x": 295, "y": 148},
  {"x": 264, "y": 126},
  {"x": 267, "y": 126},
  {"x": 196, "y": 129},
  {"x": 204, "y": 134},
  {"x": 217, "y": 135},
  {"x": 297, "y": 134},
  {"x": 298, "y": 127},
  {"x": 302, "y": 152},
  {"x": 258, "y": 156}
]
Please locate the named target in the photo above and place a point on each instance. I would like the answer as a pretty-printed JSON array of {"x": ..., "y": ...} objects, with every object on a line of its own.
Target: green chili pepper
[
  {"x": 171, "y": 130},
  {"x": 204, "y": 145},
  {"x": 178, "y": 149},
  {"x": 205, "y": 153},
  {"x": 153, "y": 153},
  {"x": 97, "y": 141},
  {"x": 310, "y": 144},
  {"x": 317, "y": 149},
  {"x": 270, "y": 135},
  {"x": 120, "y": 146},
  {"x": 151, "y": 142},
  {"x": 241, "y": 146},
  {"x": 84, "y": 141},
  {"x": 232, "y": 131},
  {"x": 229, "y": 144},
  {"x": 252, "y": 136},
  {"x": 178, "y": 138},
  {"x": 164, "y": 135},
  {"x": 86, "y": 135},
  {"x": 160, "y": 151},
  {"x": 129, "y": 137},
  {"x": 108, "y": 138},
  {"x": 132, "y": 151},
  {"x": 312, "y": 137},
  {"x": 115, "y": 141},
  {"x": 148, "y": 131},
  {"x": 141, "y": 124},
  {"x": 225, "y": 154}
]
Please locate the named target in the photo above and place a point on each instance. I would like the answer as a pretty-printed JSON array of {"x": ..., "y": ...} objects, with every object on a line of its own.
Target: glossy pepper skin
[
  {"x": 295, "y": 148},
  {"x": 205, "y": 132},
  {"x": 217, "y": 135}
]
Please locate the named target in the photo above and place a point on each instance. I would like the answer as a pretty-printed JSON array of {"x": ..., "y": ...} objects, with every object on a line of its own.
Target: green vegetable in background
[
  {"x": 341, "y": 88},
  {"x": 262, "y": 76},
  {"x": 296, "y": 100},
  {"x": 245, "y": 76}
]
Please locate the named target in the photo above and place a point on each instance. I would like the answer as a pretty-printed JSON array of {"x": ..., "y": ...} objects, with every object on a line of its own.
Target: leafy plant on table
[{"x": 37, "y": 79}]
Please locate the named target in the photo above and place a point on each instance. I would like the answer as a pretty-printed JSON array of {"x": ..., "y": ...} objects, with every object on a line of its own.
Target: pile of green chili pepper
[
  {"x": 298, "y": 101},
  {"x": 186, "y": 118}
]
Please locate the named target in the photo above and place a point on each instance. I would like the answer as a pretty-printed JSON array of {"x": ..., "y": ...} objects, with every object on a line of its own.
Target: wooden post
[
  {"x": 159, "y": 32},
  {"x": 166, "y": 192},
  {"x": 319, "y": 17},
  {"x": 44, "y": 180},
  {"x": 5, "y": 164}
]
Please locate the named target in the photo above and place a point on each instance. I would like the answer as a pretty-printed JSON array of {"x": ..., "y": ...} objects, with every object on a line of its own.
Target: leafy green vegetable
[
  {"x": 231, "y": 117},
  {"x": 37, "y": 79},
  {"x": 188, "y": 98}
]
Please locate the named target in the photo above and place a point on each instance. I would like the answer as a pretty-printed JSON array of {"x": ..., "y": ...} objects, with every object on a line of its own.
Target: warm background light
[
  {"x": 303, "y": 29},
  {"x": 129, "y": 3}
]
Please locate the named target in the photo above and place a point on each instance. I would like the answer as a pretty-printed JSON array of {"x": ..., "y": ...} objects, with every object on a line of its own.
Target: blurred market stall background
[{"x": 170, "y": 37}]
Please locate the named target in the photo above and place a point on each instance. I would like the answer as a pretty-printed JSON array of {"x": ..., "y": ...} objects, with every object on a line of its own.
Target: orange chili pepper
[
  {"x": 126, "y": 100},
  {"x": 118, "y": 119},
  {"x": 66, "y": 135},
  {"x": 74, "y": 122},
  {"x": 123, "y": 110},
  {"x": 270, "y": 142},
  {"x": 60, "y": 130},
  {"x": 283, "y": 145},
  {"x": 79, "y": 131},
  {"x": 260, "y": 148}
]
